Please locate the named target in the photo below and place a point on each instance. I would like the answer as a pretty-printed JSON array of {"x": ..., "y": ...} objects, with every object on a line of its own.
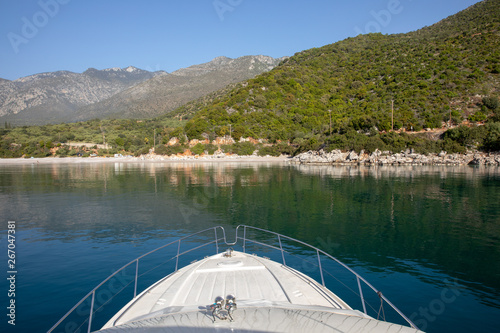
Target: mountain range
[
  {"x": 57, "y": 96},
  {"x": 64, "y": 96},
  {"x": 165, "y": 93}
]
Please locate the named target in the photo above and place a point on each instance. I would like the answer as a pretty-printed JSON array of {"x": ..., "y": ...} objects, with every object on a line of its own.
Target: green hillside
[{"x": 452, "y": 64}]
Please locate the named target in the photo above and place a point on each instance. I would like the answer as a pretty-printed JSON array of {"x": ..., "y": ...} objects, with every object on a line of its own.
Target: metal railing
[
  {"x": 92, "y": 293},
  {"x": 317, "y": 251},
  {"x": 218, "y": 239}
]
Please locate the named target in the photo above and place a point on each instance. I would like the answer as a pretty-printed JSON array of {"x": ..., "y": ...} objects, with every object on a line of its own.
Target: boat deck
[{"x": 267, "y": 294}]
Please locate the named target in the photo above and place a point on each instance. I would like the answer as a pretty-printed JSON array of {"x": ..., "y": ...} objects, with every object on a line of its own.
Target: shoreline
[
  {"x": 141, "y": 159},
  {"x": 408, "y": 158},
  {"x": 334, "y": 158}
]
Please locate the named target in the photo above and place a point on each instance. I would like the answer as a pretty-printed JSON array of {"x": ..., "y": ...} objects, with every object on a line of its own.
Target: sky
[{"x": 39, "y": 36}]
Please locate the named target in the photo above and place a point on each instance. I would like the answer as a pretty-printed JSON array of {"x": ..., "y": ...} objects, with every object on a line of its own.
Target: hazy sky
[{"x": 47, "y": 35}]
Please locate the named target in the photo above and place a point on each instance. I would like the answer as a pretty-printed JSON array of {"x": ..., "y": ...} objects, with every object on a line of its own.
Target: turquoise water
[{"x": 428, "y": 237}]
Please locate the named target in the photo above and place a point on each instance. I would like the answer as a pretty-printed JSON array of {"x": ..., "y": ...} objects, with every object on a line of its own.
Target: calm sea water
[{"x": 428, "y": 237}]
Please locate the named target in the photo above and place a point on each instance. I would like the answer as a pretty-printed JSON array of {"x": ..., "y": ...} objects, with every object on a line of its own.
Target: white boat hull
[{"x": 270, "y": 297}]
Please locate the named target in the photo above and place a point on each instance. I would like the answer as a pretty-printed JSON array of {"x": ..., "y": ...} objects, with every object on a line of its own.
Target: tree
[
  {"x": 194, "y": 128},
  {"x": 491, "y": 103},
  {"x": 492, "y": 140},
  {"x": 120, "y": 142},
  {"x": 260, "y": 101},
  {"x": 238, "y": 132}
]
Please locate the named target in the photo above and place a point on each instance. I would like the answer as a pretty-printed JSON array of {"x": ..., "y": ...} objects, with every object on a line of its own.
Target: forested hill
[{"x": 452, "y": 64}]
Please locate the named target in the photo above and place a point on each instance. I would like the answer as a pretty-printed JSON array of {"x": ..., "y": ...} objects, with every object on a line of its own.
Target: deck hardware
[
  {"x": 228, "y": 253},
  {"x": 230, "y": 306},
  {"x": 216, "y": 307},
  {"x": 381, "y": 309}
]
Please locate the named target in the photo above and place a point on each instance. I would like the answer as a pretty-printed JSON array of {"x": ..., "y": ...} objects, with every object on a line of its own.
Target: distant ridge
[
  {"x": 163, "y": 94},
  {"x": 64, "y": 96},
  {"x": 56, "y": 96}
]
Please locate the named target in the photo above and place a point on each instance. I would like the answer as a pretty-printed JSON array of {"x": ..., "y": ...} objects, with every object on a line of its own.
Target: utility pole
[
  {"x": 103, "y": 137},
  {"x": 330, "y": 112},
  {"x": 392, "y": 114},
  {"x": 154, "y": 138},
  {"x": 450, "y": 113}
]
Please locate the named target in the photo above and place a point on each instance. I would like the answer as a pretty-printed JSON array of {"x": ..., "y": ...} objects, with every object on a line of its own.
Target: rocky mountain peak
[
  {"x": 257, "y": 64},
  {"x": 131, "y": 69}
]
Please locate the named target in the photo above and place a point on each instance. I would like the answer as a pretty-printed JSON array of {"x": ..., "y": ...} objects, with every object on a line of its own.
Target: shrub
[
  {"x": 63, "y": 151},
  {"x": 243, "y": 148},
  {"x": 120, "y": 142},
  {"x": 312, "y": 143},
  {"x": 276, "y": 150},
  {"x": 161, "y": 150},
  {"x": 467, "y": 136},
  {"x": 478, "y": 116},
  {"x": 141, "y": 151},
  {"x": 492, "y": 140},
  {"x": 491, "y": 103},
  {"x": 210, "y": 149},
  {"x": 451, "y": 146},
  {"x": 173, "y": 150},
  {"x": 198, "y": 149},
  {"x": 395, "y": 142}
]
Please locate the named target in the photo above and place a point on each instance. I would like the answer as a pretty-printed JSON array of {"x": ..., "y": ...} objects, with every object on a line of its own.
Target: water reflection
[
  {"x": 409, "y": 172},
  {"x": 428, "y": 223}
]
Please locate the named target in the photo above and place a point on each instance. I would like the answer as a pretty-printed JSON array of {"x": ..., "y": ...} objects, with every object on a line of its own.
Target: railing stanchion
[
  {"x": 216, "y": 241},
  {"x": 177, "y": 256},
  {"x": 320, "y": 269},
  {"x": 361, "y": 294},
  {"x": 281, "y": 248},
  {"x": 136, "y": 276},
  {"x": 244, "y": 238},
  {"x": 91, "y": 310}
]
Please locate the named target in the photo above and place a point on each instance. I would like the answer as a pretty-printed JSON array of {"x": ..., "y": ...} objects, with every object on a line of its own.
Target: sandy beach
[{"x": 155, "y": 159}]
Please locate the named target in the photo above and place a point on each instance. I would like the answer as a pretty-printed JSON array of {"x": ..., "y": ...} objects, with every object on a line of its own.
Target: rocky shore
[{"x": 407, "y": 157}]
